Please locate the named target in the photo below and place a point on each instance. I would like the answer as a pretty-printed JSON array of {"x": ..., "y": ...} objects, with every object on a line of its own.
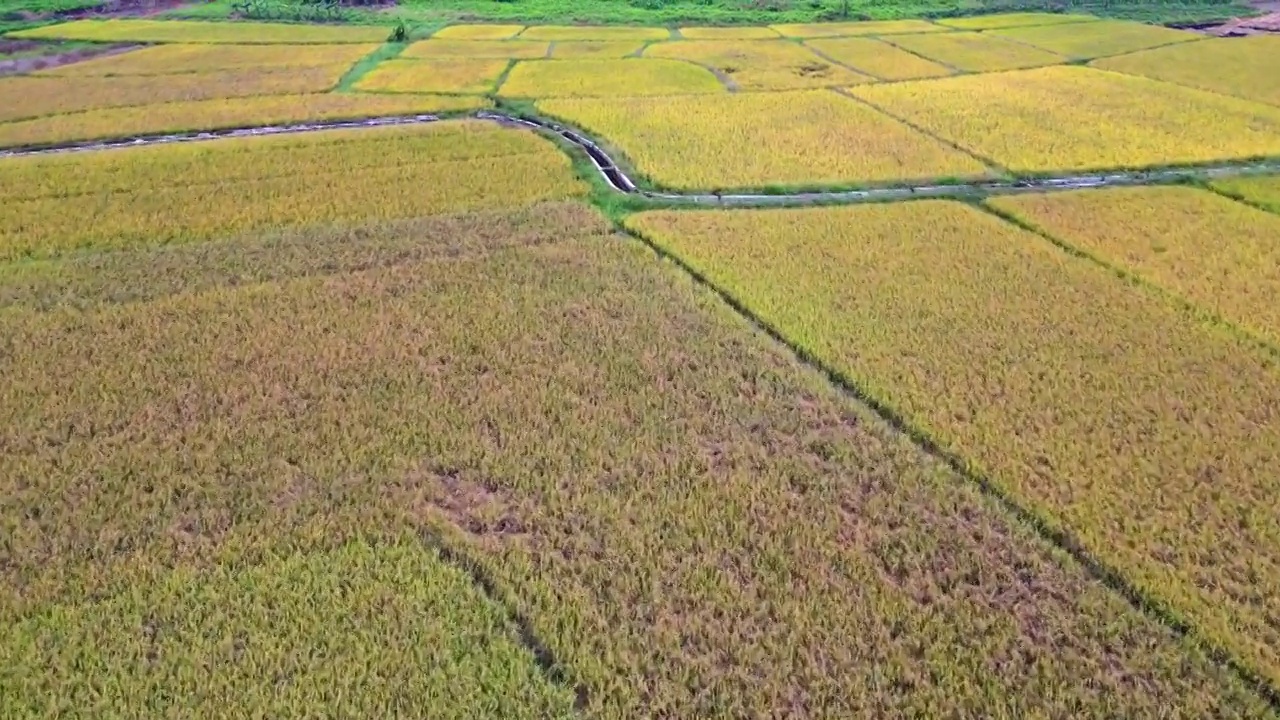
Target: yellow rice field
[
  {"x": 631, "y": 77},
  {"x": 28, "y": 97},
  {"x": 1233, "y": 66},
  {"x": 1219, "y": 254},
  {"x": 1152, "y": 438},
  {"x": 478, "y": 32},
  {"x": 171, "y": 59},
  {"x": 1097, "y": 39},
  {"x": 218, "y": 114},
  {"x": 571, "y": 49},
  {"x": 878, "y": 58},
  {"x": 760, "y": 64},
  {"x": 975, "y": 52},
  {"x": 729, "y": 33},
  {"x": 190, "y": 31},
  {"x": 582, "y": 32},
  {"x": 1007, "y": 20},
  {"x": 312, "y": 188},
  {"x": 1261, "y": 190},
  {"x": 476, "y": 49},
  {"x": 841, "y": 29},
  {"x": 445, "y": 75},
  {"x": 1074, "y": 118},
  {"x": 795, "y": 138}
]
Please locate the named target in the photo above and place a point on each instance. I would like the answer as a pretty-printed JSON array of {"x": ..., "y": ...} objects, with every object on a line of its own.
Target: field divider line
[
  {"x": 1061, "y": 537},
  {"x": 618, "y": 181},
  {"x": 956, "y": 70}
]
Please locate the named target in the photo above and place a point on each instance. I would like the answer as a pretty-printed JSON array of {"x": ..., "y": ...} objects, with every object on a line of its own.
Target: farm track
[{"x": 618, "y": 180}]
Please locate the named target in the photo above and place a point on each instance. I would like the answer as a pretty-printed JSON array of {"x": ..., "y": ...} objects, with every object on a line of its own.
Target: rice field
[
  {"x": 760, "y": 64},
  {"x": 1075, "y": 119},
  {"x": 429, "y": 420}
]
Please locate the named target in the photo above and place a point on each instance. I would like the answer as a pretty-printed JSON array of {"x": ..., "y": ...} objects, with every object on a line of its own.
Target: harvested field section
[
  {"x": 1149, "y": 436},
  {"x": 327, "y": 620},
  {"x": 729, "y": 33},
  {"x": 605, "y": 78},
  {"x": 1072, "y": 118},
  {"x": 1219, "y": 254},
  {"x": 596, "y": 49},
  {"x": 799, "y": 138},
  {"x": 1263, "y": 191},
  {"x": 137, "y": 274},
  {"x": 760, "y": 64},
  {"x": 456, "y": 75},
  {"x": 30, "y": 97},
  {"x": 177, "y": 117},
  {"x": 1233, "y": 66},
  {"x": 188, "y": 31},
  {"x": 878, "y": 58},
  {"x": 476, "y": 49},
  {"x": 976, "y": 52},
  {"x": 581, "y": 32},
  {"x": 171, "y": 59},
  {"x": 312, "y": 192},
  {"x": 840, "y": 29},
  {"x": 691, "y": 523},
  {"x": 1007, "y": 20},
  {"x": 478, "y": 32},
  {"x": 1097, "y": 39}
]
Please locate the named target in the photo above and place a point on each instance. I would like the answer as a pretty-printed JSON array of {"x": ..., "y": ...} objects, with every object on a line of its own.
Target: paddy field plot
[
  {"x": 878, "y": 58},
  {"x": 569, "y": 49},
  {"x": 635, "y": 472},
  {"x": 1243, "y": 67},
  {"x": 1149, "y": 436},
  {"x": 760, "y": 64},
  {"x": 975, "y": 51},
  {"x": 608, "y": 78},
  {"x": 187, "y": 31},
  {"x": 323, "y": 178},
  {"x": 24, "y": 97},
  {"x": 177, "y": 117},
  {"x": 476, "y": 49},
  {"x": 1007, "y": 20},
  {"x": 813, "y": 137},
  {"x": 1096, "y": 39},
  {"x": 1059, "y": 119},
  {"x": 174, "y": 59},
  {"x": 452, "y": 75},
  {"x": 841, "y": 29},
  {"x": 1219, "y": 254},
  {"x": 582, "y": 32},
  {"x": 1263, "y": 191},
  {"x": 729, "y": 33},
  {"x": 478, "y": 32}
]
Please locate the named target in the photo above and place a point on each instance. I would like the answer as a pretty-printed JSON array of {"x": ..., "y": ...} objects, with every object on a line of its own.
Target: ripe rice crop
[
  {"x": 840, "y": 29},
  {"x": 976, "y": 52},
  {"x": 170, "y": 59},
  {"x": 177, "y": 117},
  {"x": 595, "y": 49},
  {"x": 1260, "y": 190},
  {"x": 1219, "y": 254},
  {"x": 796, "y": 138},
  {"x": 478, "y": 32},
  {"x": 608, "y": 78},
  {"x": 1097, "y": 39},
  {"x": 728, "y": 33},
  {"x": 507, "y": 49},
  {"x": 878, "y": 58},
  {"x": 319, "y": 187},
  {"x": 1150, "y": 437},
  {"x": 687, "y": 520},
  {"x": 580, "y": 32},
  {"x": 1074, "y": 118},
  {"x": 760, "y": 64},
  {"x": 27, "y": 97},
  {"x": 188, "y": 31},
  {"x": 455, "y": 75},
  {"x": 1224, "y": 65},
  {"x": 1008, "y": 20}
]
